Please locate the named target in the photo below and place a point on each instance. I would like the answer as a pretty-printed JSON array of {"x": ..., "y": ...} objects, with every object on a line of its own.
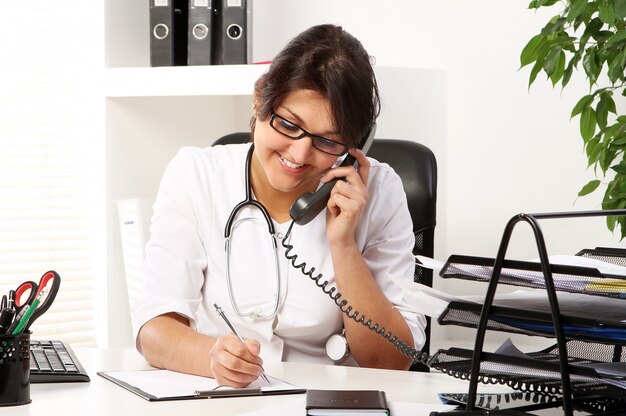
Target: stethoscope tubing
[{"x": 231, "y": 224}]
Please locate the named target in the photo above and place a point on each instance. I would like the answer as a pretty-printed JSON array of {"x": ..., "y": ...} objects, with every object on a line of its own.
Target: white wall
[{"x": 508, "y": 149}]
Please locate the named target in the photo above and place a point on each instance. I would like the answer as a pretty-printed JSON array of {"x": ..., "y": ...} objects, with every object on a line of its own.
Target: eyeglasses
[{"x": 288, "y": 129}]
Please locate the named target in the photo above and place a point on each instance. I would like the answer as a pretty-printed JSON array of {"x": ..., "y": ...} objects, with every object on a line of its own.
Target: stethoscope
[
  {"x": 336, "y": 345},
  {"x": 231, "y": 224}
]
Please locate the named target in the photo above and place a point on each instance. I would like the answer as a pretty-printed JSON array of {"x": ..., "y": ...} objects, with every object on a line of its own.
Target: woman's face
[{"x": 295, "y": 165}]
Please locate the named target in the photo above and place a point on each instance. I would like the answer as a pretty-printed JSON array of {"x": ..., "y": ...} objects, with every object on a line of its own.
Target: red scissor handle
[{"x": 30, "y": 286}]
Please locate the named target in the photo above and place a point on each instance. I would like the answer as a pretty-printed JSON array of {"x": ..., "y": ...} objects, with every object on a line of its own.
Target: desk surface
[{"x": 102, "y": 397}]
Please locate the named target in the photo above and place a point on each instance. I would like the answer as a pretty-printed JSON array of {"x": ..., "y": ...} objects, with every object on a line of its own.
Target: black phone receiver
[{"x": 310, "y": 204}]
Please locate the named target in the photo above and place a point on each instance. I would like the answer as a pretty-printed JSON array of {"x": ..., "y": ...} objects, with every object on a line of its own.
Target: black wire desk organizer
[{"x": 568, "y": 371}]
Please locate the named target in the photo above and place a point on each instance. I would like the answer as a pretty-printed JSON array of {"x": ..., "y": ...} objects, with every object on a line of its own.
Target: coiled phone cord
[{"x": 344, "y": 307}]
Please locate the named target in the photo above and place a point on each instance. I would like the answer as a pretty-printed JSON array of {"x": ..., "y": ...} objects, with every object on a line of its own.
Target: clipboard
[{"x": 166, "y": 385}]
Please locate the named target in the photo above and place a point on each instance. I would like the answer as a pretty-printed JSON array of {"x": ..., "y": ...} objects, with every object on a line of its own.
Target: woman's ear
[{"x": 255, "y": 105}]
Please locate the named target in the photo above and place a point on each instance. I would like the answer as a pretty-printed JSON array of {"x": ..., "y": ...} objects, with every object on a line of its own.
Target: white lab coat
[{"x": 185, "y": 258}]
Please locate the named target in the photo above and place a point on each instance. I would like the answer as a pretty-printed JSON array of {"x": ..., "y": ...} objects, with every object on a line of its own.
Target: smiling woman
[
  {"x": 317, "y": 101},
  {"x": 48, "y": 133}
]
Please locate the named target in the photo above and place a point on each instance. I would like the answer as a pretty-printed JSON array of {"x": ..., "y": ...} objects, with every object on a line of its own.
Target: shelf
[{"x": 187, "y": 81}]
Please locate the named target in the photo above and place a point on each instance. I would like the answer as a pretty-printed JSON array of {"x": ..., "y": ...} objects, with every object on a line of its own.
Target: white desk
[{"x": 102, "y": 397}]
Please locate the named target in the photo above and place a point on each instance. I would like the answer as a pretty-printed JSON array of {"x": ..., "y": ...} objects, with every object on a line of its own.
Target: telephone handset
[{"x": 305, "y": 208}]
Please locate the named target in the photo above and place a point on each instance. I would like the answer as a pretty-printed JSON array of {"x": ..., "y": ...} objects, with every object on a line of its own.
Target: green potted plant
[{"x": 591, "y": 34}]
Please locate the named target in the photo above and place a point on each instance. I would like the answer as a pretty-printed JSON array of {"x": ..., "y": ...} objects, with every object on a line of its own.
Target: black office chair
[{"x": 417, "y": 167}]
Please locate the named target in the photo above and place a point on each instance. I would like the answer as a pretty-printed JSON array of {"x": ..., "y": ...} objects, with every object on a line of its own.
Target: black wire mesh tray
[
  {"x": 540, "y": 372},
  {"x": 567, "y": 278},
  {"x": 521, "y": 320}
]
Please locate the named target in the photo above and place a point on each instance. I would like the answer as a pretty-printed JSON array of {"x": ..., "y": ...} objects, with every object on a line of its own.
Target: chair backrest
[{"x": 417, "y": 167}]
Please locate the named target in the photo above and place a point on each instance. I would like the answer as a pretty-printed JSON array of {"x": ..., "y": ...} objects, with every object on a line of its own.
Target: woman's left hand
[{"x": 347, "y": 198}]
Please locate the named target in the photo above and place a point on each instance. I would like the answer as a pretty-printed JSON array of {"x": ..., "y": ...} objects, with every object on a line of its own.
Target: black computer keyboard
[{"x": 54, "y": 362}]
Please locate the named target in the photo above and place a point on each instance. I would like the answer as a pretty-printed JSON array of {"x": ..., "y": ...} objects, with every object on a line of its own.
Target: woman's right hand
[{"x": 236, "y": 364}]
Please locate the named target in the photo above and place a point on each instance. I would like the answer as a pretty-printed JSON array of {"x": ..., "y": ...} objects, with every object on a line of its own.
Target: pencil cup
[{"x": 14, "y": 369}]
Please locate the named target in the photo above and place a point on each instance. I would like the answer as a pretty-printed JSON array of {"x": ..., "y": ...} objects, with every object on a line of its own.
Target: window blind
[{"x": 49, "y": 129}]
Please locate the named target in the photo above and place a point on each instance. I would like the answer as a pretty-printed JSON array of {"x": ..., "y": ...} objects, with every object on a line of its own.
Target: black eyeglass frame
[{"x": 305, "y": 133}]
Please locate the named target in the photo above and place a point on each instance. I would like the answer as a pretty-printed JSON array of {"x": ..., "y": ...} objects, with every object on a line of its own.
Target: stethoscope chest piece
[{"x": 337, "y": 347}]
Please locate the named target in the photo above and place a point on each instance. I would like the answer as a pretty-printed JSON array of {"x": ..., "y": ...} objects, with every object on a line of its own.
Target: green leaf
[
  {"x": 590, "y": 65},
  {"x": 567, "y": 74},
  {"x": 533, "y": 72},
  {"x": 559, "y": 69},
  {"x": 578, "y": 6},
  {"x": 606, "y": 157},
  {"x": 610, "y": 104},
  {"x": 611, "y": 221},
  {"x": 588, "y": 123},
  {"x": 582, "y": 104},
  {"x": 619, "y": 140},
  {"x": 569, "y": 70},
  {"x": 606, "y": 12},
  {"x": 616, "y": 67},
  {"x": 603, "y": 35},
  {"x": 555, "y": 25},
  {"x": 620, "y": 9},
  {"x": 551, "y": 61},
  {"x": 619, "y": 36},
  {"x": 592, "y": 28},
  {"x": 620, "y": 168},
  {"x": 611, "y": 133},
  {"x": 593, "y": 150},
  {"x": 531, "y": 50},
  {"x": 589, "y": 188},
  {"x": 602, "y": 113},
  {"x": 535, "y": 4}
]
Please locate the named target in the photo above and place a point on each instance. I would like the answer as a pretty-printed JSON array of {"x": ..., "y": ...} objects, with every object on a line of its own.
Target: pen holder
[{"x": 15, "y": 369}]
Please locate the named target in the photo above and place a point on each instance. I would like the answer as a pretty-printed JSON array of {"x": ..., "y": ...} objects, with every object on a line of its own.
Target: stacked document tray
[{"x": 580, "y": 305}]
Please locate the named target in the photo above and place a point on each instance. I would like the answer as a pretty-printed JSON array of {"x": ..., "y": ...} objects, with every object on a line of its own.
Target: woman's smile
[{"x": 291, "y": 166}]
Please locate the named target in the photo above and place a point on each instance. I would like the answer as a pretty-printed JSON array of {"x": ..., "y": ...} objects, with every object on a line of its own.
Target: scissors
[{"x": 33, "y": 289}]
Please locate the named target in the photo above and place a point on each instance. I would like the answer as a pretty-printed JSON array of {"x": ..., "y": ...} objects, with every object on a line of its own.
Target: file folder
[
  {"x": 168, "y": 32},
  {"x": 199, "y": 35},
  {"x": 231, "y": 34}
]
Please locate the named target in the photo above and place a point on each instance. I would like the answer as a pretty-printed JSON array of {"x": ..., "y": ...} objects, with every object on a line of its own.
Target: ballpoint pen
[{"x": 234, "y": 331}]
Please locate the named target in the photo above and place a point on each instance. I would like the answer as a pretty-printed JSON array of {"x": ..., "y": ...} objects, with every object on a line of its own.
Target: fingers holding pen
[{"x": 235, "y": 364}]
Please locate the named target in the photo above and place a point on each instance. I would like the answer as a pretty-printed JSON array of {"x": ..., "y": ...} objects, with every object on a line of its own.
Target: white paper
[
  {"x": 428, "y": 263},
  {"x": 426, "y": 300},
  {"x": 602, "y": 266}
]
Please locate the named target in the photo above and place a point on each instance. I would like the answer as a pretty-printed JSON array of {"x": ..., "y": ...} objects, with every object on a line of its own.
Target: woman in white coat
[{"x": 314, "y": 106}]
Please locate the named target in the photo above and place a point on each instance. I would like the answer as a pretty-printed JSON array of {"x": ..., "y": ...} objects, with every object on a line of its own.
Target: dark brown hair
[{"x": 328, "y": 60}]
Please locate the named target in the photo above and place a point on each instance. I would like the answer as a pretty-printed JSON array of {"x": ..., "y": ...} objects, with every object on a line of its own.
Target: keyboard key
[{"x": 54, "y": 360}]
